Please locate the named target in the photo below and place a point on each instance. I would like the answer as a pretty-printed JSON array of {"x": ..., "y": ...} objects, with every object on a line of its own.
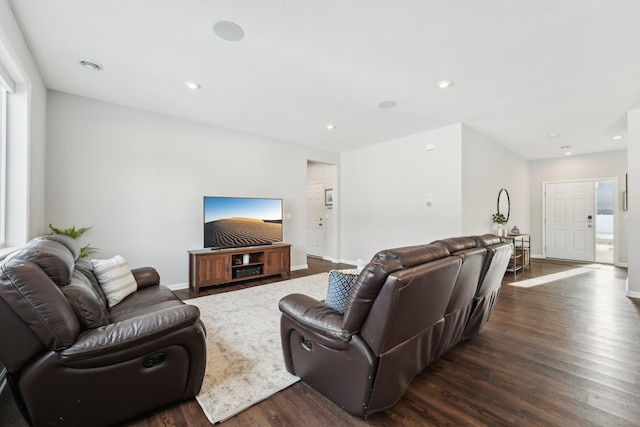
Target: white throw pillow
[{"x": 115, "y": 278}]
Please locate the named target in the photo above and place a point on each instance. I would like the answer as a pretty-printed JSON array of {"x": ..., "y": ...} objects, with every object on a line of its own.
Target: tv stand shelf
[{"x": 221, "y": 266}]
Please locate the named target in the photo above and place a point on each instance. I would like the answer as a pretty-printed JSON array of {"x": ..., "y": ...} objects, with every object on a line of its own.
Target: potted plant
[
  {"x": 76, "y": 233},
  {"x": 500, "y": 220}
]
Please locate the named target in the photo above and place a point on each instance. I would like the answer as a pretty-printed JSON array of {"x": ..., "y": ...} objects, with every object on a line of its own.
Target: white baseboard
[
  {"x": 631, "y": 294},
  {"x": 178, "y": 286},
  {"x": 299, "y": 267}
]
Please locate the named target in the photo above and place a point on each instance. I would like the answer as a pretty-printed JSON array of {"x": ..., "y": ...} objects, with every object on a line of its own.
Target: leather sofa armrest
[
  {"x": 314, "y": 316},
  {"x": 131, "y": 332},
  {"x": 146, "y": 276}
]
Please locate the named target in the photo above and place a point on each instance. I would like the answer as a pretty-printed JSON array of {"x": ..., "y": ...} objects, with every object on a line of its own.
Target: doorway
[
  {"x": 322, "y": 210},
  {"x": 579, "y": 220},
  {"x": 315, "y": 219}
]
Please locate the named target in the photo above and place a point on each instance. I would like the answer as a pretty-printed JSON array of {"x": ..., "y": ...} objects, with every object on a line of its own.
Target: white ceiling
[{"x": 521, "y": 69}]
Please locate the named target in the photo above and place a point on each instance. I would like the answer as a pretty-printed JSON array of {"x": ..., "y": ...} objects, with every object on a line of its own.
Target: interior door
[
  {"x": 570, "y": 220},
  {"x": 315, "y": 214}
]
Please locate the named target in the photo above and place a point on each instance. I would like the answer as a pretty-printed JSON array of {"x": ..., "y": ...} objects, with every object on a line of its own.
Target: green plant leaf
[{"x": 75, "y": 234}]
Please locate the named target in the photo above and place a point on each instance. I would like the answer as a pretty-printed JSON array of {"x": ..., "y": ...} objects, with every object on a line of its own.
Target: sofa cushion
[
  {"x": 340, "y": 284},
  {"x": 115, "y": 278},
  {"x": 143, "y": 302},
  {"x": 88, "y": 306},
  {"x": 85, "y": 268}
]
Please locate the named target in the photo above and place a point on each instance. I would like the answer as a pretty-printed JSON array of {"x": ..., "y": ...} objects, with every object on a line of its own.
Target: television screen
[{"x": 238, "y": 221}]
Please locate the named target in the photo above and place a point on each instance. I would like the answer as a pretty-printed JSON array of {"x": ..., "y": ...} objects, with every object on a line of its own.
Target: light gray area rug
[{"x": 244, "y": 354}]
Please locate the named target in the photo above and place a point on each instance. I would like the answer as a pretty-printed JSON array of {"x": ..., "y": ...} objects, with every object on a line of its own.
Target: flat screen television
[{"x": 231, "y": 222}]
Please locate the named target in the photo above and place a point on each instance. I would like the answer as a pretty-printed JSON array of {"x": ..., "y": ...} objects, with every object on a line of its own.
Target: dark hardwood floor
[{"x": 564, "y": 353}]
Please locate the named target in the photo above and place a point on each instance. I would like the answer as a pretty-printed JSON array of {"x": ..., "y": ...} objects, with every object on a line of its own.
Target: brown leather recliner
[
  {"x": 69, "y": 363},
  {"x": 462, "y": 299},
  {"x": 498, "y": 255},
  {"x": 407, "y": 307}
]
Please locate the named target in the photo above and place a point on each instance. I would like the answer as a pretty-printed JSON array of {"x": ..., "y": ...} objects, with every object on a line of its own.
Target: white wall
[
  {"x": 26, "y": 134},
  {"x": 488, "y": 167},
  {"x": 607, "y": 164},
  {"x": 139, "y": 179},
  {"x": 633, "y": 224},
  {"x": 385, "y": 188}
]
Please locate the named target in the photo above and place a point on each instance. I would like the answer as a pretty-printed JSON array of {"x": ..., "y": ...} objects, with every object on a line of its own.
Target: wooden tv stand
[{"x": 220, "y": 266}]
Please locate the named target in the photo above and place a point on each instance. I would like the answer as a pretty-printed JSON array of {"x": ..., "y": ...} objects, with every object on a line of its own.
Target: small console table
[
  {"x": 220, "y": 266},
  {"x": 521, "y": 248}
]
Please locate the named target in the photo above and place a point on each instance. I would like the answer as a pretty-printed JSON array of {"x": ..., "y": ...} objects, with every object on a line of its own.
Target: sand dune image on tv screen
[{"x": 241, "y": 232}]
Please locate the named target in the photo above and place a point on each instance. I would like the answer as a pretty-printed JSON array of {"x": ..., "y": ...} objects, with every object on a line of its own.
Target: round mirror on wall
[{"x": 504, "y": 204}]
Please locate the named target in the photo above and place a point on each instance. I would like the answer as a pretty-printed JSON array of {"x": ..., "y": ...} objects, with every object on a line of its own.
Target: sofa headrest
[
  {"x": 487, "y": 240},
  {"x": 67, "y": 241},
  {"x": 365, "y": 291},
  {"x": 456, "y": 244},
  {"x": 55, "y": 255},
  {"x": 374, "y": 275},
  {"x": 410, "y": 256}
]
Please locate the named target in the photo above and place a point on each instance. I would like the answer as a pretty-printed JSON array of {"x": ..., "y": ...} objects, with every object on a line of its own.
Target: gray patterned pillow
[{"x": 340, "y": 284}]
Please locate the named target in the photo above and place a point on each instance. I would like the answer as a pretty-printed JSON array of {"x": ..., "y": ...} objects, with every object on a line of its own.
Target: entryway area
[
  {"x": 579, "y": 220},
  {"x": 322, "y": 208}
]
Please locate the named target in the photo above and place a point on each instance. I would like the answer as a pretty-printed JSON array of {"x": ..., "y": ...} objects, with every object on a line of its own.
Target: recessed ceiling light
[
  {"x": 192, "y": 85},
  {"x": 229, "y": 31},
  {"x": 91, "y": 65},
  {"x": 553, "y": 135},
  {"x": 443, "y": 84},
  {"x": 568, "y": 153},
  {"x": 617, "y": 137},
  {"x": 564, "y": 147},
  {"x": 330, "y": 126},
  {"x": 386, "y": 105}
]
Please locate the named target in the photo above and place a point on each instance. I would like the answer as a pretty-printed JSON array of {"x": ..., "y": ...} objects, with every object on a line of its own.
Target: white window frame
[
  {"x": 7, "y": 86},
  {"x": 3, "y": 164}
]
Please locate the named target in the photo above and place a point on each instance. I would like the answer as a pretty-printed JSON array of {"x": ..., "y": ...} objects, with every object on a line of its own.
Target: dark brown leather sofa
[
  {"x": 408, "y": 306},
  {"x": 148, "y": 352}
]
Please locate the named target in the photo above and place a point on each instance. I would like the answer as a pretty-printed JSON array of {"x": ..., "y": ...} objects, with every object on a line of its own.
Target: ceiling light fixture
[
  {"x": 330, "y": 126},
  {"x": 443, "y": 84},
  {"x": 386, "y": 105},
  {"x": 617, "y": 137},
  {"x": 566, "y": 148},
  {"x": 90, "y": 65},
  {"x": 553, "y": 135},
  {"x": 192, "y": 85},
  {"x": 229, "y": 31}
]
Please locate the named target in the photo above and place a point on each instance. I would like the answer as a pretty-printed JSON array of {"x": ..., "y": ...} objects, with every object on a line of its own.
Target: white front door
[
  {"x": 315, "y": 215},
  {"x": 570, "y": 220}
]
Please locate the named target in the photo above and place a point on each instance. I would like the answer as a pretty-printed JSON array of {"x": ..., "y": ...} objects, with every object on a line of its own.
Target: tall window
[
  {"x": 6, "y": 87},
  {"x": 3, "y": 164}
]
